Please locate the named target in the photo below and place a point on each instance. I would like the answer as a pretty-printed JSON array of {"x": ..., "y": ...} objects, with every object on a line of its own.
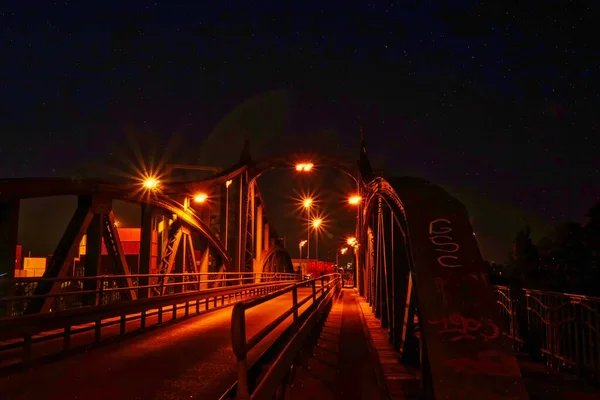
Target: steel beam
[
  {"x": 9, "y": 227},
  {"x": 64, "y": 255},
  {"x": 147, "y": 230}
]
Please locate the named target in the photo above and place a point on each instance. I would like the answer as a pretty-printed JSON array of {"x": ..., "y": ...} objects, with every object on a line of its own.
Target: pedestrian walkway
[{"x": 341, "y": 365}]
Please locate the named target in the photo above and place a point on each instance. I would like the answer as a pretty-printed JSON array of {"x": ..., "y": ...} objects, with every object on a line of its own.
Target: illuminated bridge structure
[{"x": 429, "y": 312}]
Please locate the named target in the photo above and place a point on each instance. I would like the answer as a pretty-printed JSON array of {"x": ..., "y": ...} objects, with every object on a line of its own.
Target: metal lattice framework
[{"x": 168, "y": 223}]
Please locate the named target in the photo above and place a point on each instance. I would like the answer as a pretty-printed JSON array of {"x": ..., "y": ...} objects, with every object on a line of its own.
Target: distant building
[{"x": 313, "y": 266}]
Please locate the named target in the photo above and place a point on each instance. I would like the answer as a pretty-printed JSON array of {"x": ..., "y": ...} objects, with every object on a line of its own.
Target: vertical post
[
  {"x": 307, "y": 235},
  {"x": 358, "y": 250},
  {"x": 146, "y": 233},
  {"x": 227, "y": 214},
  {"x": 93, "y": 256},
  {"x": 242, "y": 223},
  {"x": 238, "y": 344},
  {"x": 9, "y": 226},
  {"x": 258, "y": 269},
  {"x": 295, "y": 304}
]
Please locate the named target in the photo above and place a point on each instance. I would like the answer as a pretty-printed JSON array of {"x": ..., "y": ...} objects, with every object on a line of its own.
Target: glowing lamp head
[
  {"x": 351, "y": 241},
  {"x": 306, "y": 203},
  {"x": 354, "y": 200},
  {"x": 228, "y": 183},
  {"x": 344, "y": 250},
  {"x": 317, "y": 223},
  {"x": 200, "y": 198},
  {"x": 302, "y": 243},
  {"x": 304, "y": 167},
  {"x": 151, "y": 183}
]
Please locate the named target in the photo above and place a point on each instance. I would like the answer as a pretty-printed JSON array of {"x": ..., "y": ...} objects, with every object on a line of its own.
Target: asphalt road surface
[{"x": 191, "y": 359}]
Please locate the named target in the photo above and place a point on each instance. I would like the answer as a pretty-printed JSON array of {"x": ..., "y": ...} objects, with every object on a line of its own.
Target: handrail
[
  {"x": 103, "y": 289},
  {"x": 241, "y": 345},
  {"x": 30, "y": 325},
  {"x": 562, "y": 328}
]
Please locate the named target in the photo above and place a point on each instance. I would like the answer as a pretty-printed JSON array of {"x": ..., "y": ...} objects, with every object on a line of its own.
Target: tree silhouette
[
  {"x": 564, "y": 257},
  {"x": 524, "y": 257},
  {"x": 567, "y": 259}
]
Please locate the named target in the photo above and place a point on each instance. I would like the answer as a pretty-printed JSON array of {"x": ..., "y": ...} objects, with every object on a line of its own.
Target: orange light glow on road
[
  {"x": 354, "y": 200},
  {"x": 200, "y": 198}
]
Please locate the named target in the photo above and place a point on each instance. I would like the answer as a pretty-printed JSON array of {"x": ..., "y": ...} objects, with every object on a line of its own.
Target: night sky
[{"x": 496, "y": 102}]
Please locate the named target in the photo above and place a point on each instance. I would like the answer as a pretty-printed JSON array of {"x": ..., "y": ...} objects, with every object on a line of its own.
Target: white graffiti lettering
[
  {"x": 453, "y": 247},
  {"x": 432, "y": 231},
  {"x": 439, "y": 231}
]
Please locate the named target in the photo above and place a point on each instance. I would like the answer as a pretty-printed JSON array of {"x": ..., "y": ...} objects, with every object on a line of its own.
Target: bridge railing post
[
  {"x": 238, "y": 341},
  {"x": 295, "y": 305},
  {"x": 100, "y": 297}
]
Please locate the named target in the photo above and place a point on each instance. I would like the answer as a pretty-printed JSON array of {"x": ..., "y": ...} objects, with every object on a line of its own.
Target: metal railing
[
  {"x": 79, "y": 291},
  {"x": 24, "y": 331},
  {"x": 561, "y": 328},
  {"x": 272, "y": 380}
]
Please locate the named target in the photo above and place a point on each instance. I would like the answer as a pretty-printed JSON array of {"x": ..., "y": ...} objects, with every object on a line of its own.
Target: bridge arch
[
  {"x": 247, "y": 173},
  {"x": 436, "y": 273}
]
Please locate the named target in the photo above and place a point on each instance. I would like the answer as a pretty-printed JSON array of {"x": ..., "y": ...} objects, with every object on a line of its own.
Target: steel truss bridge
[{"x": 419, "y": 270}]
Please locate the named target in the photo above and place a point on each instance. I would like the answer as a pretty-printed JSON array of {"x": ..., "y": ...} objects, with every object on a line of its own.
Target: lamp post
[
  {"x": 227, "y": 184},
  {"x": 300, "y": 246},
  {"x": 316, "y": 223},
  {"x": 307, "y": 204},
  {"x": 337, "y": 256}
]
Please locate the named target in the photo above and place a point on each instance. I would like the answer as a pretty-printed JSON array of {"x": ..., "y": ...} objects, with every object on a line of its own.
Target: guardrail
[
  {"x": 321, "y": 297},
  {"x": 561, "y": 328},
  {"x": 80, "y": 291},
  {"x": 23, "y": 331}
]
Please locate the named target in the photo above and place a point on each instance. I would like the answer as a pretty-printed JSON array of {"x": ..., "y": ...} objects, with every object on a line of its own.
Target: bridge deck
[{"x": 191, "y": 359}]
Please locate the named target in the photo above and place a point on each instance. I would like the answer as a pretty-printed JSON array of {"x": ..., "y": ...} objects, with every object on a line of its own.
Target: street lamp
[
  {"x": 354, "y": 200},
  {"x": 337, "y": 256},
  {"x": 352, "y": 242},
  {"x": 316, "y": 223},
  {"x": 304, "y": 167},
  {"x": 200, "y": 198},
  {"x": 307, "y": 203},
  {"x": 151, "y": 183},
  {"x": 300, "y": 246}
]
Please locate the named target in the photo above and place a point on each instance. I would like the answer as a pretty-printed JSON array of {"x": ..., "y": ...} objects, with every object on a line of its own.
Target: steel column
[
  {"x": 147, "y": 230},
  {"x": 9, "y": 227}
]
